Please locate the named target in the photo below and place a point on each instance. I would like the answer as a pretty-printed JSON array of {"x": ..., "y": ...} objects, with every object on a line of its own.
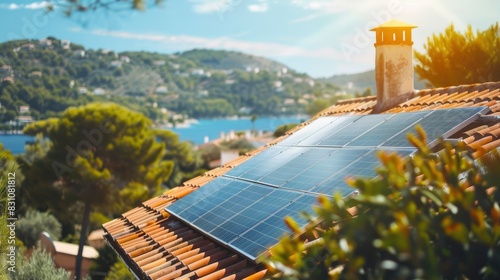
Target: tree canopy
[
  {"x": 454, "y": 58},
  {"x": 428, "y": 217},
  {"x": 100, "y": 154}
]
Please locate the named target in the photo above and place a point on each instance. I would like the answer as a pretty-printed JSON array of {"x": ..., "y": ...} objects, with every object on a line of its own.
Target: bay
[{"x": 195, "y": 132}]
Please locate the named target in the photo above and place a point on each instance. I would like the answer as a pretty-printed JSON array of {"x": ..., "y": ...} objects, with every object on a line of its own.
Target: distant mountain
[
  {"x": 217, "y": 59},
  {"x": 360, "y": 81}
]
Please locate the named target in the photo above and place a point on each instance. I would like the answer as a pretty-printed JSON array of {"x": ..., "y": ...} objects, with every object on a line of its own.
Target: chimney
[{"x": 393, "y": 63}]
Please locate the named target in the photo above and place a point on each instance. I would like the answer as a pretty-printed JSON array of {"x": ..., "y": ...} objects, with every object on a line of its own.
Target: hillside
[
  {"x": 360, "y": 81},
  {"x": 217, "y": 59},
  {"x": 51, "y": 74}
]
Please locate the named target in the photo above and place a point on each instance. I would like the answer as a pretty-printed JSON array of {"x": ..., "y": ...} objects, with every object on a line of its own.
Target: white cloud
[
  {"x": 261, "y": 7},
  {"x": 185, "y": 42},
  {"x": 30, "y": 6},
  {"x": 212, "y": 6}
]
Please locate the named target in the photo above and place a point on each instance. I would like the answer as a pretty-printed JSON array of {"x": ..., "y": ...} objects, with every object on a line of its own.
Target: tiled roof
[{"x": 157, "y": 246}]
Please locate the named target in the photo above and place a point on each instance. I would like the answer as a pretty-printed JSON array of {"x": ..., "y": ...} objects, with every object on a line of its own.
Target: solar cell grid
[
  {"x": 346, "y": 134},
  {"x": 436, "y": 124},
  {"x": 362, "y": 167},
  {"x": 256, "y": 160},
  {"x": 245, "y": 207},
  {"x": 388, "y": 129},
  {"x": 315, "y": 127},
  {"x": 296, "y": 166},
  {"x": 329, "y": 130},
  {"x": 269, "y": 164}
]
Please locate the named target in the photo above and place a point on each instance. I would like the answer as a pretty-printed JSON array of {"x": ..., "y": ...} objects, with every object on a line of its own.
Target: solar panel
[
  {"x": 314, "y": 127},
  {"x": 362, "y": 167},
  {"x": 267, "y": 233},
  {"x": 245, "y": 208},
  {"x": 387, "y": 129},
  {"x": 329, "y": 130},
  {"x": 437, "y": 124},
  {"x": 324, "y": 168},
  {"x": 290, "y": 169},
  {"x": 256, "y": 160},
  {"x": 346, "y": 134}
]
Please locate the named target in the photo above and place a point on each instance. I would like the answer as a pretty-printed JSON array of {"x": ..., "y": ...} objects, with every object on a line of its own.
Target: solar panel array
[{"x": 245, "y": 208}]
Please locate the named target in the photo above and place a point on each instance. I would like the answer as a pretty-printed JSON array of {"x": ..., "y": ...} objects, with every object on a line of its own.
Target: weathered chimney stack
[{"x": 393, "y": 63}]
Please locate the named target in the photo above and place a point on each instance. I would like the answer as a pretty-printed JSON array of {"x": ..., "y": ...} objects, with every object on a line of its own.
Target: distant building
[
  {"x": 161, "y": 89},
  {"x": 82, "y": 90},
  {"x": 6, "y": 71},
  {"x": 36, "y": 74},
  {"x": 116, "y": 64},
  {"x": 197, "y": 72},
  {"x": 64, "y": 254},
  {"x": 79, "y": 53},
  {"x": 96, "y": 239},
  {"x": 7, "y": 79},
  {"x": 24, "y": 109},
  {"x": 99, "y": 91},
  {"x": 65, "y": 44},
  {"x": 45, "y": 43},
  {"x": 125, "y": 59},
  {"x": 160, "y": 63},
  {"x": 27, "y": 47}
]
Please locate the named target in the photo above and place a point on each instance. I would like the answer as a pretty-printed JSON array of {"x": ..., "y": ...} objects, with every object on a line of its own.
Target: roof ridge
[{"x": 464, "y": 87}]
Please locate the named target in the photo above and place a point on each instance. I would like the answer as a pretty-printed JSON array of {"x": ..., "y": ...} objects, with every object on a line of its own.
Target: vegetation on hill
[
  {"x": 428, "y": 217},
  {"x": 50, "y": 75},
  {"x": 359, "y": 82}
]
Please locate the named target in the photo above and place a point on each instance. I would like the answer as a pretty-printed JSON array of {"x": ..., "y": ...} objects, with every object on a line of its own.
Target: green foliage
[
  {"x": 39, "y": 266},
  {"x": 29, "y": 227},
  {"x": 102, "y": 155},
  {"x": 119, "y": 272},
  {"x": 97, "y": 153},
  {"x": 240, "y": 144},
  {"x": 102, "y": 265},
  {"x": 454, "y": 58},
  {"x": 282, "y": 129},
  {"x": 428, "y": 217},
  {"x": 187, "y": 162}
]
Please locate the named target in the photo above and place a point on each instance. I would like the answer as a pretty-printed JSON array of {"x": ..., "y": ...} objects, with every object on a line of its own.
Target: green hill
[
  {"x": 217, "y": 59},
  {"x": 50, "y": 75}
]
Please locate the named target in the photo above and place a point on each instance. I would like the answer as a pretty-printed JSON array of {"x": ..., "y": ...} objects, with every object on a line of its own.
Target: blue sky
[{"x": 319, "y": 37}]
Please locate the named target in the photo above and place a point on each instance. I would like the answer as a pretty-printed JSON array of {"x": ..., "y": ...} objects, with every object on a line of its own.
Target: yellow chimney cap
[{"x": 394, "y": 23}]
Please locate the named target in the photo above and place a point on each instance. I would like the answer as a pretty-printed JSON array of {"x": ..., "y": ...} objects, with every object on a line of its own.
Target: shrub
[
  {"x": 33, "y": 223},
  {"x": 39, "y": 266}
]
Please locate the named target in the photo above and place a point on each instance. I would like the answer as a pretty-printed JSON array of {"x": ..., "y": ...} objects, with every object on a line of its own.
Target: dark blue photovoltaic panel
[
  {"x": 256, "y": 160},
  {"x": 388, "y": 129},
  {"x": 345, "y": 135},
  {"x": 296, "y": 166},
  {"x": 314, "y": 127},
  {"x": 363, "y": 167},
  {"x": 328, "y": 131},
  {"x": 267, "y": 233},
  {"x": 270, "y": 164},
  {"x": 245, "y": 207},
  {"x": 324, "y": 168},
  {"x": 435, "y": 124}
]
